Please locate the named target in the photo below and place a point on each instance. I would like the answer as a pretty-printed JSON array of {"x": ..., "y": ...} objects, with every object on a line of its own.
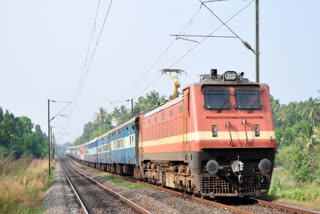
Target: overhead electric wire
[
  {"x": 225, "y": 24},
  {"x": 82, "y": 81},
  {"x": 166, "y": 49},
  {"x": 162, "y": 53},
  {"x": 90, "y": 41},
  {"x": 204, "y": 39},
  {"x": 197, "y": 44},
  {"x": 77, "y": 96},
  {"x": 61, "y": 110},
  {"x": 94, "y": 51}
]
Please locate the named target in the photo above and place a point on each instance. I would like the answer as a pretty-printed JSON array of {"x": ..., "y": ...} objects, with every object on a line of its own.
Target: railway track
[
  {"x": 247, "y": 206},
  {"x": 291, "y": 209},
  {"x": 94, "y": 197}
]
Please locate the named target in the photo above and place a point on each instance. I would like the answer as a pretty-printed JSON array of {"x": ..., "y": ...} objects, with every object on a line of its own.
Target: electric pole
[
  {"x": 257, "y": 43},
  {"x": 50, "y": 137},
  {"x": 132, "y": 107},
  {"x": 49, "y": 127},
  {"x": 52, "y": 146}
]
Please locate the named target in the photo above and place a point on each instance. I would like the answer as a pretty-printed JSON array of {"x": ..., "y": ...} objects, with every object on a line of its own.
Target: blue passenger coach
[
  {"x": 115, "y": 150},
  {"x": 118, "y": 145}
]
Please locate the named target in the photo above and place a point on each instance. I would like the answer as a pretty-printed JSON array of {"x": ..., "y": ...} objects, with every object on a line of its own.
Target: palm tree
[{"x": 101, "y": 118}]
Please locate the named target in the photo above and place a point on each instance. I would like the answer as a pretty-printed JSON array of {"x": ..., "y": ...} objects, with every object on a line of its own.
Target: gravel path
[
  {"x": 154, "y": 200},
  {"x": 59, "y": 199},
  {"x": 96, "y": 200}
]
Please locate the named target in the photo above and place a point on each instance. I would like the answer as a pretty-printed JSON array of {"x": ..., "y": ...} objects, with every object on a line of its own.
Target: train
[{"x": 214, "y": 140}]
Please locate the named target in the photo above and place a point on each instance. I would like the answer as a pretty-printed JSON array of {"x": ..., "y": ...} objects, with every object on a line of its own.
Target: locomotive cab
[{"x": 232, "y": 146}]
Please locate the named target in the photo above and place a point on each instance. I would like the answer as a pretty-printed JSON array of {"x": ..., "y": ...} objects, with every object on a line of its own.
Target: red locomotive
[{"x": 217, "y": 139}]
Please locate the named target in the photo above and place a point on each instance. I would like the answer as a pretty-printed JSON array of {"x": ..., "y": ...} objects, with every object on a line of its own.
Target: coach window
[
  {"x": 248, "y": 98},
  {"x": 180, "y": 108},
  {"x": 149, "y": 121},
  {"x": 162, "y": 115},
  {"x": 216, "y": 98},
  {"x": 171, "y": 113},
  {"x": 155, "y": 119}
]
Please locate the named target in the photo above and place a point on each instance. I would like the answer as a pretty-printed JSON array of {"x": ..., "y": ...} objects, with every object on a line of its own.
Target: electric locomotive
[{"x": 216, "y": 139}]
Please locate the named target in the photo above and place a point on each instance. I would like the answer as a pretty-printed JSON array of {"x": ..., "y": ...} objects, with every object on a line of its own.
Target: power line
[
  {"x": 166, "y": 49},
  {"x": 94, "y": 51},
  {"x": 145, "y": 88},
  {"x": 197, "y": 44},
  {"x": 82, "y": 81},
  {"x": 77, "y": 96},
  {"x": 213, "y": 32},
  {"x": 225, "y": 24},
  {"x": 90, "y": 41},
  {"x": 162, "y": 53}
]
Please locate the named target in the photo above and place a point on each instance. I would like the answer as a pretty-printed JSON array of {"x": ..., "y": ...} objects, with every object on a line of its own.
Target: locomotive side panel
[{"x": 161, "y": 134}]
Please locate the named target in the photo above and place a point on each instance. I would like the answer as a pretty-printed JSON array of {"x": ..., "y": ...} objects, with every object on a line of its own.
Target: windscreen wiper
[{"x": 224, "y": 102}]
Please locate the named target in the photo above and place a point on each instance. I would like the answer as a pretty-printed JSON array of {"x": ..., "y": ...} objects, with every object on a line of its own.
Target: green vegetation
[
  {"x": 122, "y": 182},
  {"x": 104, "y": 121},
  {"x": 18, "y": 135},
  {"x": 298, "y": 157},
  {"x": 23, "y": 183},
  {"x": 284, "y": 186}
]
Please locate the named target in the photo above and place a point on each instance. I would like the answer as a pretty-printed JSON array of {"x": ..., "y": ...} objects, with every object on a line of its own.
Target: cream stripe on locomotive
[{"x": 264, "y": 135}]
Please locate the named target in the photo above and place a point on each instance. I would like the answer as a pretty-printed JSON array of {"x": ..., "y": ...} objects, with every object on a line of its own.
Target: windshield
[
  {"x": 248, "y": 98},
  {"x": 216, "y": 98}
]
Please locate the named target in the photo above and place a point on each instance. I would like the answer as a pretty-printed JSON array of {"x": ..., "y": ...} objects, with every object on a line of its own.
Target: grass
[
  {"x": 284, "y": 189},
  {"x": 83, "y": 167},
  {"x": 122, "y": 182},
  {"x": 23, "y": 183}
]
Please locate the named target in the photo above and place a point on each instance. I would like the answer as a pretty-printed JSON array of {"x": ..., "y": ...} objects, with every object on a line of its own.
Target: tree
[
  {"x": 104, "y": 121},
  {"x": 17, "y": 136},
  {"x": 298, "y": 137}
]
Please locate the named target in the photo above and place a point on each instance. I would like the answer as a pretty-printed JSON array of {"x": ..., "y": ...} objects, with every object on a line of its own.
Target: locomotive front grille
[{"x": 220, "y": 186}]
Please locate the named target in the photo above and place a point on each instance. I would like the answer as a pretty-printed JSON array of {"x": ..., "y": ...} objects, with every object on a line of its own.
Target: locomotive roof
[
  {"x": 227, "y": 78},
  {"x": 221, "y": 83},
  {"x": 162, "y": 107},
  {"x": 117, "y": 128}
]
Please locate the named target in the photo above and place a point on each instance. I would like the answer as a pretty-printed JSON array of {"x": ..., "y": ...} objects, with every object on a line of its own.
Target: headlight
[
  {"x": 265, "y": 166},
  {"x": 212, "y": 167}
]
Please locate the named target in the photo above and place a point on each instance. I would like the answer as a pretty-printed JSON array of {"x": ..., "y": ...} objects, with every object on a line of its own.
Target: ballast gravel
[
  {"x": 153, "y": 200},
  {"x": 96, "y": 200},
  {"x": 59, "y": 198}
]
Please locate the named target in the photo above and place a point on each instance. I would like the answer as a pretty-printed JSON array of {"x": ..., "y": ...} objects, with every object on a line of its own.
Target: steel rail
[
  {"x": 115, "y": 194},
  {"x": 83, "y": 207},
  {"x": 201, "y": 200},
  {"x": 191, "y": 197},
  {"x": 284, "y": 207},
  {"x": 216, "y": 204}
]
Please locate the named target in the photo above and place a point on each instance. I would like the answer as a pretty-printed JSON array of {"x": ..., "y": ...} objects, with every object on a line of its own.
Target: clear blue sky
[{"x": 43, "y": 46}]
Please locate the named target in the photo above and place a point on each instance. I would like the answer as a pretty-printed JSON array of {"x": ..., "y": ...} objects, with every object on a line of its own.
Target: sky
[{"x": 43, "y": 47}]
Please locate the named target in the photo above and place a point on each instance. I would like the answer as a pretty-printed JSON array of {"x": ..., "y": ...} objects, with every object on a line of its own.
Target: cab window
[
  {"x": 216, "y": 98},
  {"x": 248, "y": 98}
]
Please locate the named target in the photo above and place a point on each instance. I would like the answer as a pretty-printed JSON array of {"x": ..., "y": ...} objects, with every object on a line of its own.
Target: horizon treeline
[
  {"x": 18, "y": 135},
  {"x": 104, "y": 121}
]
